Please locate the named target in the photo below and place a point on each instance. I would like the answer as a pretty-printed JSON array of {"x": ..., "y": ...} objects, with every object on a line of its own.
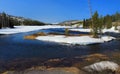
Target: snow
[
  {"x": 77, "y": 25},
  {"x": 81, "y": 30},
  {"x": 107, "y": 38},
  {"x": 111, "y": 30},
  {"x": 80, "y": 40},
  {"x": 20, "y": 29},
  {"x": 118, "y": 27},
  {"x": 104, "y": 30},
  {"x": 101, "y": 66}
]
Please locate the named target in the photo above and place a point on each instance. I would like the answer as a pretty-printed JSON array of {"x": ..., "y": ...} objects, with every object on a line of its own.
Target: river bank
[
  {"x": 19, "y": 54},
  {"x": 67, "y": 66},
  {"x": 79, "y": 39}
]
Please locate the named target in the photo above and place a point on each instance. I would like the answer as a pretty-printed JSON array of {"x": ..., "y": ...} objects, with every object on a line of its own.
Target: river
[{"x": 15, "y": 49}]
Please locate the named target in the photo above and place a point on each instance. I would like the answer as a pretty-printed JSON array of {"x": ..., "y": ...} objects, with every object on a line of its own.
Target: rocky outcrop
[{"x": 103, "y": 66}]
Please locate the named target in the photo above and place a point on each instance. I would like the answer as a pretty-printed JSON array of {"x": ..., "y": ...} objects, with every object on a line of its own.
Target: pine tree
[
  {"x": 0, "y": 21},
  {"x": 3, "y": 19},
  {"x": 84, "y": 23},
  {"x": 66, "y": 31},
  {"x": 11, "y": 22},
  {"x": 101, "y": 25},
  {"x": 108, "y": 21},
  {"x": 95, "y": 24},
  {"x": 116, "y": 25},
  {"x": 88, "y": 23},
  {"x": 117, "y": 16}
]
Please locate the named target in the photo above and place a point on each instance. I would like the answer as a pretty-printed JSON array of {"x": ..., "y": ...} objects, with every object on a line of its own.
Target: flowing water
[{"x": 16, "y": 48}]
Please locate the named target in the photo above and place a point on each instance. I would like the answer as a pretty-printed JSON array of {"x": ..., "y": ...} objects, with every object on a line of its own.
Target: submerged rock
[
  {"x": 95, "y": 57},
  {"x": 64, "y": 70}
]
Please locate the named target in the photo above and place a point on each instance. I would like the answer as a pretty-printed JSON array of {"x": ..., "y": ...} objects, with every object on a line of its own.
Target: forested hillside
[
  {"x": 106, "y": 21},
  {"x": 10, "y": 21}
]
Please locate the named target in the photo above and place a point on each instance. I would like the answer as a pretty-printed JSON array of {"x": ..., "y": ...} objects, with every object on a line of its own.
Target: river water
[{"x": 16, "y": 48}]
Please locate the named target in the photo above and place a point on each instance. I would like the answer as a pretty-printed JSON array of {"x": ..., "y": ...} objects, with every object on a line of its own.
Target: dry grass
[
  {"x": 71, "y": 70},
  {"x": 114, "y": 23},
  {"x": 41, "y": 34},
  {"x": 77, "y": 67},
  {"x": 54, "y": 60},
  {"x": 79, "y": 35},
  {"x": 115, "y": 57},
  {"x": 95, "y": 57},
  {"x": 68, "y": 34},
  {"x": 5, "y": 72},
  {"x": 90, "y": 59},
  {"x": 67, "y": 69},
  {"x": 33, "y": 36},
  {"x": 38, "y": 68},
  {"x": 52, "y": 33}
]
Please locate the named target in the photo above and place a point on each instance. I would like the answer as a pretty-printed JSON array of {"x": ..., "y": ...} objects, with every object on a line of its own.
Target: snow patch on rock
[{"x": 101, "y": 66}]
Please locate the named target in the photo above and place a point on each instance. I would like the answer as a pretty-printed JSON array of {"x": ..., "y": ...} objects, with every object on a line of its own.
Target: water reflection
[{"x": 16, "y": 47}]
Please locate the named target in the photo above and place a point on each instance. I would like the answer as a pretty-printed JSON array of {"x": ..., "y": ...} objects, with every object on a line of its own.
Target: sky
[{"x": 54, "y": 11}]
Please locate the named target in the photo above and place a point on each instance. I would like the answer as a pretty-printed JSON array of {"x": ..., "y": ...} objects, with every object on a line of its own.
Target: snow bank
[
  {"x": 104, "y": 30},
  {"x": 107, "y": 38},
  {"x": 101, "y": 66},
  {"x": 19, "y": 29},
  {"x": 77, "y": 26},
  {"x": 111, "y": 30},
  {"x": 81, "y": 40},
  {"x": 81, "y": 30}
]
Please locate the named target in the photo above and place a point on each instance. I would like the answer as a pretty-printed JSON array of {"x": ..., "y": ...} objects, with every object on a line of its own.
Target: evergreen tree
[
  {"x": 88, "y": 23},
  {"x": 117, "y": 16},
  {"x": 84, "y": 23},
  {"x": 32, "y": 22},
  {"x": 101, "y": 25},
  {"x": 66, "y": 31},
  {"x": 95, "y": 24},
  {"x": 11, "y": 22},
  {"x": 0, "y": 21},
  {"x": 3, "y": 19},
  {"x": 6, "y": 21},
  {"x": 117, "y": 19},
  {"x": 108, "y": 21},
  {"x": 116, "y": 25}
]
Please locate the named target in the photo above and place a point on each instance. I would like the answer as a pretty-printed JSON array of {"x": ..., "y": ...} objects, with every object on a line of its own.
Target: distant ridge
[
  {"x": 70, "y": 22},
  {"x": 10, "y": 21}
]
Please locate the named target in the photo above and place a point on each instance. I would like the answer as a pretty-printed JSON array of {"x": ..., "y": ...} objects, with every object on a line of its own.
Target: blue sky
[{"x": 52, "y": 11}]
